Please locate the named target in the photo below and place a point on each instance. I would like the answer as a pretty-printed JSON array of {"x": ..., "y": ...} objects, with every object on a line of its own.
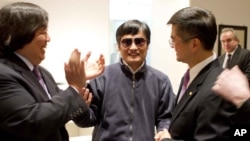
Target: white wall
[
  {"x": 79, "y": 24},
  {"x": 162, "y": 55}
]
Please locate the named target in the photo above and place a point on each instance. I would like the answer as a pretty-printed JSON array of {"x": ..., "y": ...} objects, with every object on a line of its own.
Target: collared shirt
[
  {"x": 31, "y": 67},
  {"x": 226, "y": 57},
  {"x": 198, "y": 67},
  {"x": 134, "y": 72},
  {"x": 26, "y": 61}
]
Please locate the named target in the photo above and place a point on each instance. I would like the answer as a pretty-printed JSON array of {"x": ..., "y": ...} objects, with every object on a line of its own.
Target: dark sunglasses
[{"x": 127, "y": 42}]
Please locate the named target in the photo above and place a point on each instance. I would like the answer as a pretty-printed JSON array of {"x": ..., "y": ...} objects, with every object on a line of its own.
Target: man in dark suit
[
  {"x": 238, "y": 55},
  {"x": 32, "y": 109},
  {"x": 199, "y": 114}
]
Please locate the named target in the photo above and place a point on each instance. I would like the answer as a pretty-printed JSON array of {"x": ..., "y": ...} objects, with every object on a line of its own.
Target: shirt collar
[
  {"x": 198, "y": 67},
  {"x": 26, "y": 61},
  {"x": 232, "y": 53},
  {"x": 130, "y": 68}
]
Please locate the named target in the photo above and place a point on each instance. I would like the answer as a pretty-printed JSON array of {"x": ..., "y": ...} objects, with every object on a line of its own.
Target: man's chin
[
  {"x": 134, "y": 59},
  {"x": 41, "y": 59},
  {"x": 178, "y": 59}
]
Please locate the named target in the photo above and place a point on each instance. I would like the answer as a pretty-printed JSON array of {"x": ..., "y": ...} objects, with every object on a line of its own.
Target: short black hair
[
  {"x": 132, "y": 27},
  {"x": 196, "y": 22}
]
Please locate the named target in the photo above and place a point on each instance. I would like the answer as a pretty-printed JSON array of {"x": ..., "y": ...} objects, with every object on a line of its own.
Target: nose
[
  {"x": 133, "y": 46},
  {"x": 171, "y": 45},
  {"x": 48, "y": 37}
]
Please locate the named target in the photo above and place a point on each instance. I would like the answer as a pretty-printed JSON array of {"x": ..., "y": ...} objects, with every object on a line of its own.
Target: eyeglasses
[
  {"x": 139, "y": 42},
  {"x": 172, "y": 42}
]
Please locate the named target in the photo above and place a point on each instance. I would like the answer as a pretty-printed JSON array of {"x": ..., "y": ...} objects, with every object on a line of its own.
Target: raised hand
[
  {"x": 94, "y": 69},
  {"x": 75, "y": 71},
  {"x": 233, "y": 86}
]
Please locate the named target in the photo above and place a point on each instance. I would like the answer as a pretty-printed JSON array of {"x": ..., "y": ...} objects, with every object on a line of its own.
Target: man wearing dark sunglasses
[{"x": 130, "y": 99}]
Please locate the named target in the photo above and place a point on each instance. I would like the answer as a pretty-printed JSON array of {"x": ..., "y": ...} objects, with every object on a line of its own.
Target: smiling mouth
[
  {"x": 133, "y": 55},
  {"x": 43, "y": 49}
]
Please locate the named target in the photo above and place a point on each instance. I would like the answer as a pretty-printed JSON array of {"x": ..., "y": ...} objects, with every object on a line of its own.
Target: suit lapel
[
  {"x": 20, "y": 67},
  {"x": 221, "y": 59},
  {"x": 29, "y": 76},
  {"x": 191, "y": 91},
  {"x": 233, "y": 60},
  {"x": 187, "y": 96},
  {"x": 235, "y": 57},
  {"x": 51, "y": 86},
  {"x": 179, "y": 91}
]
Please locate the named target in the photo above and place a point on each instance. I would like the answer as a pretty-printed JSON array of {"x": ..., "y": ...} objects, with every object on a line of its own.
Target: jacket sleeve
[
  {"x": 166, "y": 105},
  {"x": 242, "y": 117},
  {"x": 24, "y": 114},
  {"x": 245, "y": 64},
  {"x": 94, "y": 109}
]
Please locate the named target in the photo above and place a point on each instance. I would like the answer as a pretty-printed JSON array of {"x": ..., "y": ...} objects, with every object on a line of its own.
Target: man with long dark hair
[{"x": 32, "y": 107}]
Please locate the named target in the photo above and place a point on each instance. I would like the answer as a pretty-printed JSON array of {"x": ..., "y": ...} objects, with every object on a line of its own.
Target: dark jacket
[
  {"x": 129, "y": 106},
  {"x": 241, "y": 57},
  {"x": 201, "y": 114},
  {"x": 26, "y": 112}
]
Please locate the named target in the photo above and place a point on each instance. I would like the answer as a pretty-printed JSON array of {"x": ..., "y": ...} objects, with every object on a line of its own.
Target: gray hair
[{"x": 230, "y": 30}]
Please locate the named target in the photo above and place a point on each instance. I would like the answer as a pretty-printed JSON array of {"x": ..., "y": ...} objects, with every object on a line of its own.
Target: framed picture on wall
[{"x": 241, "y": 32}]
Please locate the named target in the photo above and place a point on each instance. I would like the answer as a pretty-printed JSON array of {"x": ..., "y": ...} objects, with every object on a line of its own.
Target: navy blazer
[
  {"x": 201, "y": 114},
  {"x": 241, "y": 57},
  {"x": 26, "y": 112}
]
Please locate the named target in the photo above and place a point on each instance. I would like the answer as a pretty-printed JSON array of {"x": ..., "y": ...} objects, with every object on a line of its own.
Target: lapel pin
[{"x": 190, "y": 93}]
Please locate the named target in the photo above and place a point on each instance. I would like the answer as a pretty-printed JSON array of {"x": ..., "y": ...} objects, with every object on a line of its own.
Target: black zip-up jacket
[{"x": 127, "y": 106}]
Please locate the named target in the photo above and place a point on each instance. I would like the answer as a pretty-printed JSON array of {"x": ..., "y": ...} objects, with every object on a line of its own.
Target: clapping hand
[
  {"x": 94, "y": 69},
  {"x": 75, "y": 71}
]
